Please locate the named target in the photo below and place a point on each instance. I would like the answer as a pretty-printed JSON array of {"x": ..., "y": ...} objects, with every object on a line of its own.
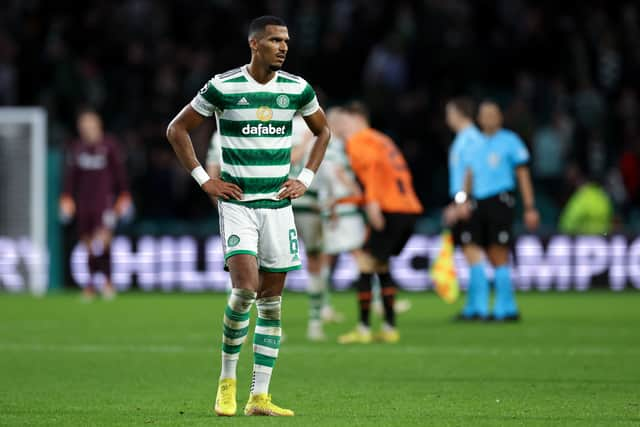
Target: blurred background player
[
  {"x": 344, "y": 225},
  {"x": 340, "y": 196},
  {"x": 459, "y": 113},
  {"x": 495, "y": 164},
  {"x": 344, "y": 228},
  {"x": 96, "y": 194},
  {"x": 392, "y": 210},
  {"x": 306, "y": 210}
]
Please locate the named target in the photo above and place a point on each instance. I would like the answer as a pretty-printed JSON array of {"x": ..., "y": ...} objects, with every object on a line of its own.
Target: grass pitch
[{"x": 153, "y": 359}]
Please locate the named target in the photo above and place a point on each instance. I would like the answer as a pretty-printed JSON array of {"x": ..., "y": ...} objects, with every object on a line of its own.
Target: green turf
[{"x": 154, "y": 359}]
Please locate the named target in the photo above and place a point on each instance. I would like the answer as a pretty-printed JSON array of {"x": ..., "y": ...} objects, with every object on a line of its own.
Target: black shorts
[
  {"x": 491, "y": 222},
  {"x": 459, "y": 229},
  {"x": 390, "y": 241}
]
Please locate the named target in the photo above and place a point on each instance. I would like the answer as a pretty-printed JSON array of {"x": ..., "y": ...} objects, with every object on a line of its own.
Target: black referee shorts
[{"x": 491, "y": 222}]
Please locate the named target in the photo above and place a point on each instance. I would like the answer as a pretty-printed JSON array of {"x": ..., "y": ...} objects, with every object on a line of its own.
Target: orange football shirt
[{"x": 383, "y": 172}]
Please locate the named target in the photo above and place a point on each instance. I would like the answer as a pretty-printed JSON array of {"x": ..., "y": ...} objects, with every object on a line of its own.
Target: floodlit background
[{"x": 566, "y": 77}]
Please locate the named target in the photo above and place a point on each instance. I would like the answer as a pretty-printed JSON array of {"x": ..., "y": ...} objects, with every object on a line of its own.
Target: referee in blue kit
[{"x": 494, "y": 165}]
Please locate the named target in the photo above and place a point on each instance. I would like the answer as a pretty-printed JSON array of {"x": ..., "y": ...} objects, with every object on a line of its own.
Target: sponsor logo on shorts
[
  {"x": 233, "y": 240},
  {"x": 282, "y": 101}
]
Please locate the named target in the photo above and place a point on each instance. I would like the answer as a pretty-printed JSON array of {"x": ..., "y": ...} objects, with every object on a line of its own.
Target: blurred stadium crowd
[{"x": 565, "y": 76}]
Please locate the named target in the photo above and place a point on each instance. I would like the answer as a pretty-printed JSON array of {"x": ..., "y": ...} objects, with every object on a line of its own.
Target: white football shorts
[
  {"x": 345, "y": 234},
  {"x": 309, "y": 225},
  {"x": 268, "y": 234}
]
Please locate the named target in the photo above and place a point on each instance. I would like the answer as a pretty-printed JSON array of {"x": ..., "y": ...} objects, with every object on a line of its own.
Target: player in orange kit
[{"x": 392, "y": 209}]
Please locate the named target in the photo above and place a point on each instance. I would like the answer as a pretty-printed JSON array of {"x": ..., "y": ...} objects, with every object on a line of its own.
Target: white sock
[{"x": 363, "y": 328}]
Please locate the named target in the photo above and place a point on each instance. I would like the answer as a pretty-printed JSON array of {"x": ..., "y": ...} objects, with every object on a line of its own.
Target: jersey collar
[{"x": 247, "y": 74}]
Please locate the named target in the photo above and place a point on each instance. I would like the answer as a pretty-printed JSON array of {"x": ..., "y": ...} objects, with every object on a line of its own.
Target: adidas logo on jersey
[
  {"x": 263, "y": 130},
  {"x": 243, "y": 101}
]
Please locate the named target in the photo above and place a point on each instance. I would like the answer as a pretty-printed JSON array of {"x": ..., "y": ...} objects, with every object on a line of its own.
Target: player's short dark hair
[
  {"x": 259, "y": 24},
  {"x": 491, "y": 101},
  {"x": 86, "y": 109},
  {"x": 464, "y": 105},
  {"x": 357, "y": 108}
]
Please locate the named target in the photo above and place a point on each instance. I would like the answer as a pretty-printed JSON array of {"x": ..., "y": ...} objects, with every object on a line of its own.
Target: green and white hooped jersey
[
  {"x": 254, "y": 122},
  {"x": 330, "y": 186},
  {"x": 309, "y": 201},
  {"x": 214, "y": 154}
]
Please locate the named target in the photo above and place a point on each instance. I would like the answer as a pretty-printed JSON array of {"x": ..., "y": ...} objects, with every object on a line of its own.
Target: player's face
[
  {"x": 90, "y": 128},
  {"x": 452, "y": 116},
  {"x": 490, "y": 117},
  {"x": 272, "y": 46}
]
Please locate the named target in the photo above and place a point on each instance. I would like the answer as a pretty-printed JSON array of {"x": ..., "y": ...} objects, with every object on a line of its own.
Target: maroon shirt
[{"x": 94, "y": 174}]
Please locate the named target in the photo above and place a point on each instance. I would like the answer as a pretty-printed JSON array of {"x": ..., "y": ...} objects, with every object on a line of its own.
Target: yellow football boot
[
  {"x": 260, "y": 404},
  {"x": 226, "y": 398},
  {"x": 390, "y": 336},
  {"x": 357, "y": 336}
]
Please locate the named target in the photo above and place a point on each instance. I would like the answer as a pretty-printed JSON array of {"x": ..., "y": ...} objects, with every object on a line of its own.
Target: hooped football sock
[
  {"x": 316, "y": 289},
  {"x": 235, "y": 328},
  {"x": 266, "y": 343}
]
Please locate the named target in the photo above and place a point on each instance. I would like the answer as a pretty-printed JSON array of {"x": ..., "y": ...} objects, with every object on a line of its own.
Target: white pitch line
[{"x": 305, "y": 349}]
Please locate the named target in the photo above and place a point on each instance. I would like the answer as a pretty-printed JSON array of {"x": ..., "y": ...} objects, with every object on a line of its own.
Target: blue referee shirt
[
  {"x": 493, "y": 163},
  {"x": 468, "y": 137}
]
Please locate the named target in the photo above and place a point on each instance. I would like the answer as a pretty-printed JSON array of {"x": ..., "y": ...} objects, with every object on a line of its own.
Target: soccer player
[
  {"x": 459, "y": 114},
  {"x": 495, "y": 164},
  {"x": 309, "y": 225},
  {"x": 392, "y": 210},
  {"x": 344, "y": 229},
  {"x": 254, "y": 105},
  {"x": 96, "y": 193},
  {"x": 340, "y": 196}
]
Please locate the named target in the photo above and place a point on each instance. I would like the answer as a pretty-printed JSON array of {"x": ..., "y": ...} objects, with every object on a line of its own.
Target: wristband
[
  {"x": 460, "y": 197},
  {"x": 200, "y": 175},
  {"x": 306, "y": 176}
]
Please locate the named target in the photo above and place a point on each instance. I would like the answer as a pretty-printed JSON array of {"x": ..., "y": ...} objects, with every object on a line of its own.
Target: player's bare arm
[
  {"x": 213, "y": 169},
  {"x": 298, "y": 151},
  {"x": 531, "y": 215},
  {"x": 317, "y": 123},
  {"x": 178, "y": 136}
]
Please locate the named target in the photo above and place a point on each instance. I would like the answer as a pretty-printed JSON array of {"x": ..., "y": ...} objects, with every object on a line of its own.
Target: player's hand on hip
[
  {"x": 531, "y": 219},
  {"x": 292, "y": 189},
  {"x": 218, "y": 188}
]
